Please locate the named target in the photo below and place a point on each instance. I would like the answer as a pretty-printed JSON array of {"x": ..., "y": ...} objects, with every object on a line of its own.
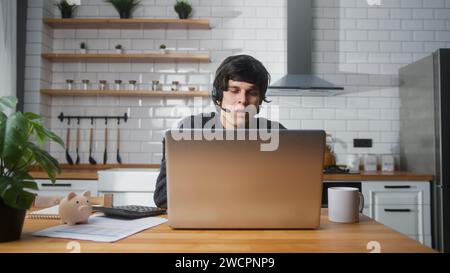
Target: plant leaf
[
  {"x": 5, "y": 182},
  {"x": 49, "y": 164},
  {"x": 16, "y": 197},
  {"x": 32, "y": 116},
  {"x": 13, "y": 190},
  {"x": 14, "y": 137},
  {"x": 8, "y": 102},
  {"x": 18, "y": 153},
  {"x": 124, "y": 5},
  {"x": 43, "y": 134},
  {"x": 3, "y": 120}
]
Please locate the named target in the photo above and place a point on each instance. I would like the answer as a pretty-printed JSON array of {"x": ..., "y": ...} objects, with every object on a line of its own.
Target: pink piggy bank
[{"x": 75, "y": 209}]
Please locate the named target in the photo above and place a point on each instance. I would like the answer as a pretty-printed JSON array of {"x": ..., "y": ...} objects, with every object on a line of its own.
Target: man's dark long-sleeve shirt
[{"x": 160, "y": 196}]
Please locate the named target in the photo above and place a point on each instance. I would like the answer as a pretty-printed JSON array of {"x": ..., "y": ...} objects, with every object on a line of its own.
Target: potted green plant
[
  {"x": 119, "y": 49},
  {"x": 83, "y": 48},
  {"x": 67, "y": 10},
  {"x": 125, "y": 8},
  {"x": 22, "y": 137},
  {"x": 183, "y": 8},
  {"x": 163, "y": 48}
]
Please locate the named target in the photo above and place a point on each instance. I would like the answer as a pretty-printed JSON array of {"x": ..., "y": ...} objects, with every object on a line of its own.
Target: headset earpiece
[{"x": 216, "y": 96}]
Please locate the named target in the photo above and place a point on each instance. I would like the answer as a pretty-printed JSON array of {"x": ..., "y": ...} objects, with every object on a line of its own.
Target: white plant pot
[
  {"x": 119, "y": 51},
  {"x": 83, "y": 51},
  {"x": 163, "y": 51}
]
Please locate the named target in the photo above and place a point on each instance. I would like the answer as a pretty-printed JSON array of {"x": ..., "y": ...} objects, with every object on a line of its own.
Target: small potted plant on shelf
[
  {"x": 22, "y": 138},
  {"x": 125, "y": 8},
  {"x": 119, "y": 49},
  {"x": 67, "y": 9},
  {"x": 183, "y": 8},
  {"x": 83, "y": 48},
  {"x": 163, "y": 48}
]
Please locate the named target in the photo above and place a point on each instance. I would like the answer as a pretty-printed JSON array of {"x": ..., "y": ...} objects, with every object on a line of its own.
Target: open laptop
[{"x": 232, "y": 184}]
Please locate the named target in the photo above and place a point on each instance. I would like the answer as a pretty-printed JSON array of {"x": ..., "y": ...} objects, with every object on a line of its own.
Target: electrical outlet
[{"x": 362, "y": 143}]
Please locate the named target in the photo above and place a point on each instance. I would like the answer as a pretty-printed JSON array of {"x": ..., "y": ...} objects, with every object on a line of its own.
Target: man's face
[{"x": 238, "y": 96}]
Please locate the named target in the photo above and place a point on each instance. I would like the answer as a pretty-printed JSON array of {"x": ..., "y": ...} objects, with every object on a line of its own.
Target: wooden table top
[
  {"x": 329, "y": 238},
  {"x": 89, "y": 172}
]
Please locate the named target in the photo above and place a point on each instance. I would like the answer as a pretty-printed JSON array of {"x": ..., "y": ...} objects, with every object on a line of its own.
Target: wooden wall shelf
[
  {"x": 119, "y": 58},
  {"x": 140, "y": 93},
  {"x": 114, "y": 23}
]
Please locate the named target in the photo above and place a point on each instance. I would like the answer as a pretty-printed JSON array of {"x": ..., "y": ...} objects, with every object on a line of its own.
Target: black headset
[{"x": 217, "y": 96}]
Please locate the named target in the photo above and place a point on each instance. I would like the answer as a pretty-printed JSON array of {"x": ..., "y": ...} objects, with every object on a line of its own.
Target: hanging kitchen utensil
[
  {"x": 68, "y": 158},
  {"x": 106, "y": 144},
  {"x": 77, "y": 161},
  {"x": 91, "y": 159},
  {"x": 119, "y": 159}
]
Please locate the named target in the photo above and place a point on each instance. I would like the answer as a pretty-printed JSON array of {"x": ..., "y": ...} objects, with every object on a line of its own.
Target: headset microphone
[{"x": 223, "y": 109}]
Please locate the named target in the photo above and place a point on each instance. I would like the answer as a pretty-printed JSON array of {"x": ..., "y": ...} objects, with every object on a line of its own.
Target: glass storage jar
[
  {"x": 103, "y": 85},
  {"x": 118, "y": 84},
  {"x": 85, "y": 84},
  {"x": 175, "y": 86},
  {"x": 69, "y": 84}
]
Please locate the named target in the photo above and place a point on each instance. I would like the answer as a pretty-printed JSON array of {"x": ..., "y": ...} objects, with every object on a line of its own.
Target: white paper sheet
[{"x": 101, "y": 229}]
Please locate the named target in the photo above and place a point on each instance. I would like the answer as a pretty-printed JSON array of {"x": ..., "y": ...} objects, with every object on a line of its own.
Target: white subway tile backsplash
[
  {"x": 298, "y": 113},
  {"x": 357, "y": 102},
  {"x": 357, "y": 125},
  {"x": 323, "y": 114},
  {"x": 359, "y": 13},
  {"x": 369, "y": 114},
  {"x": 354, "y": 45},
  {"x": 401, "y": 13},
  {"x": 311, "y": 125},
  {"x": 335, "y": 102},
  {"x": 199, "y": 79},
  {"x": 423, "y": 36},
  {"x": 312, "y": 102},
  {"x": 380, "y": 125},
  {"x": 153, "y": 124},
  {"x": 401, "y": 35},
  {"x": 443, "y": 35},
  {"x": 335, "y": 125}
]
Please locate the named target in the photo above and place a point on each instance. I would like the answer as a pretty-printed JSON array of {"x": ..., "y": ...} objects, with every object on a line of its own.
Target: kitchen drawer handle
[
  {"x": 397, "y": 187},
  {"x": 397, "y": 210},
  {"x": 68, "y": 185}
]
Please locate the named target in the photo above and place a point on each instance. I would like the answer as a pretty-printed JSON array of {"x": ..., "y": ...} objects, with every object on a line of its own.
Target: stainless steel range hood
[{"x": 299, "y": 81}]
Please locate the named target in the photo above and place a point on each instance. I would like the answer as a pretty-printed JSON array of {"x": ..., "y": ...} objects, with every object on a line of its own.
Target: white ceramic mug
[{"x": 344, "y": 204}]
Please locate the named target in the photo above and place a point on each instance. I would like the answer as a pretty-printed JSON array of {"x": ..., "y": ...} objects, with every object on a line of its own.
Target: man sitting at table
[{"x": 240, "y": 83}]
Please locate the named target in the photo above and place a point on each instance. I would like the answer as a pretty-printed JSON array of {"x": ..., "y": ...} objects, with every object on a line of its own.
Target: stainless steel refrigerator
[{"x": 425, "y": 135}]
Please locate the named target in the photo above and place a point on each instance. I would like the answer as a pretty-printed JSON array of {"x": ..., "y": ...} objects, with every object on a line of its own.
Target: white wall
[
  {"x": 354, "y": 45},
  {"x": 8, "y": 11}
]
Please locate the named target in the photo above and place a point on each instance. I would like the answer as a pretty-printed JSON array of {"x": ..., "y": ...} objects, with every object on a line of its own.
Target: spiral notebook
[{"x": 48, "y": 213}]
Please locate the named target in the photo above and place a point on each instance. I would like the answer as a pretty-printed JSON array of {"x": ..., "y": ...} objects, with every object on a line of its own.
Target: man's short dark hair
[{"x": 243, "y": 68}]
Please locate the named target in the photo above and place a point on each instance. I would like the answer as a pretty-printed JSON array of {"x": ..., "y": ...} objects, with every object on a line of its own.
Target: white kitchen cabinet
[
  {"x": 403, "y": 206},
  {"x": 62, "y": 187},
  {"x": 129, "y": 186},
  {"x": 131, "y": 198}
]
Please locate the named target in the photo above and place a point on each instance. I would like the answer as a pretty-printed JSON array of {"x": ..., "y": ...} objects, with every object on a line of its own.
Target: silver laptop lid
[{"x": 234, "y": 184}]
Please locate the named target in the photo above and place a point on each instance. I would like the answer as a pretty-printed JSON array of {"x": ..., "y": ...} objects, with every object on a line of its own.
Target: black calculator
[{"x": 130, "y": 212}]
